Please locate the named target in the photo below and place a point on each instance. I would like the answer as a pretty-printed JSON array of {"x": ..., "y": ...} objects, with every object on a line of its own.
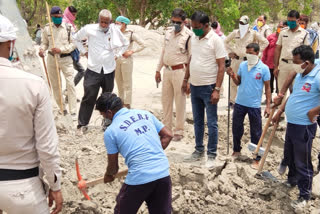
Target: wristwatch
[{"x": 217, "y": 89}]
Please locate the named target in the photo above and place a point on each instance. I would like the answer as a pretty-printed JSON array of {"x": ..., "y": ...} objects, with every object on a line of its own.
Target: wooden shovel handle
[
  {"x": 265, "y": 129},
  {"x": 100, "y": 180}
]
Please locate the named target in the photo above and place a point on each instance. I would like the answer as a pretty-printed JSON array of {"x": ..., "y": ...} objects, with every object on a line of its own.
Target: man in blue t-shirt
[
  {"x": 251, "y": 77},
  {"x": 302, "y": 109},
  {"x": 141, "y": 139}
]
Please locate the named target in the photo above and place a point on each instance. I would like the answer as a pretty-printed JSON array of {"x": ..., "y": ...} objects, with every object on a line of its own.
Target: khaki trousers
[
  {"x": 235, "y": 63},
  {"x": 66, "y": 66},
  {"x": 284, "y": 70},
  {"x": 124, "y": 79},
  {"x": 171, "y": 91},
  {"x": 23, "y": 196}
]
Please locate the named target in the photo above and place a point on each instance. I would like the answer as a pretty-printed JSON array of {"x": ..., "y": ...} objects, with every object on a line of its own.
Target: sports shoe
[
  {"x": 74, "y": 117},
  {"x": 210, "y": 164},
  {"x": 290, "y": 184},
  {"x": 236, "y": 155},
  {"x": 282, "y": 169},
  {"x": 177, "y": 137},
  {"x": 195, "y": 156},
  {"x": 105, "y": 124},
  {"x": 82, "y": 130},
  {"x": 299, "y": 204}
]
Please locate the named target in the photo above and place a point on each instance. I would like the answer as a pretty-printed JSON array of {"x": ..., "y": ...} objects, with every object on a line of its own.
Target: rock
[
  {"x": 316, "y": 186},
  {"x": 210, "y": 199},
  {"x": 266, "y": 191},
  {"x": 89, "y": 205}
]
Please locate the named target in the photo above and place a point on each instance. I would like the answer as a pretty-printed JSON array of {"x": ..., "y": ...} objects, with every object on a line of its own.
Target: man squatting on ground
[
  {"x": 105, "y": 44},
  {"x": 135, "y": 135},
  {"x": 251, "y": 77},
  {"x": 174, "y": 57},
  {"x": 302, "y": 109},
  {"x": 28, "y": 137},
  {"x": 206, "y": 71},
  {"x": 64, "y": 47},
  {"x": 124, "y": 66}
]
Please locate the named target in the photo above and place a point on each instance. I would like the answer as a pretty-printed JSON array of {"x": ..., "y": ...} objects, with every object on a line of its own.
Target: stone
[{"x": 316, "y": 186}]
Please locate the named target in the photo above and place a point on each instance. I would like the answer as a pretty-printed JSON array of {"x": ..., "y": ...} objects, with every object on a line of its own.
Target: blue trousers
[
  {"x": 201, "y": 101},
  {"x": 297, "y": 151},
  {"x": 239, "y": 113}
]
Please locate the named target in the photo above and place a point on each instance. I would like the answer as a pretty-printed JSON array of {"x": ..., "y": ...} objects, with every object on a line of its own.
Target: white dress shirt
[
  {"x": 28, "y": 134},
  {"x": 103, "y": 47}
]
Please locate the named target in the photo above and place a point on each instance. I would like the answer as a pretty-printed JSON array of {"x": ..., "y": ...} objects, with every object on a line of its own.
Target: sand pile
[{"x": 229, "y": 188}]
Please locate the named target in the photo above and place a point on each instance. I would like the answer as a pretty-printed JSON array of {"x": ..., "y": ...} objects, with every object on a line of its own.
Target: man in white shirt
[
  {"x": 28, "y": 136},
  {"x": 105, "y": 44},
  {"x": 263, "y": 28},
  {"x": 206, "y": 71}
]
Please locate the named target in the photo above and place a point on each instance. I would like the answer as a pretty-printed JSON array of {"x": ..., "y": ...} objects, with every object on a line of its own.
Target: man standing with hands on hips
[
  {"x": 174, "y": 57},
  {"x": 205, "y": 72}
]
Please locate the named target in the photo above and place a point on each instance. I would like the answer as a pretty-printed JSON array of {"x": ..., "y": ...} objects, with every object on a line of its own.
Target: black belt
[
  {"x": 12, "y": 174},
  {"x": 61, "y": 55}
]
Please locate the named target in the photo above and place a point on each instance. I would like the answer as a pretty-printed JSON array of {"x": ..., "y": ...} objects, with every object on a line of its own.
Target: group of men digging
[{"x": 194, "y": 62}]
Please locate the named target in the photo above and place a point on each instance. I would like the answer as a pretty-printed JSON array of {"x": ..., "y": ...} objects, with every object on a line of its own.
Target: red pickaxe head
[{"x": 82, "y": 183}]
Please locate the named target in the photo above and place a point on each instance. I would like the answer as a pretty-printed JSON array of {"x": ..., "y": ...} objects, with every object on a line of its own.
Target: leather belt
[
  {"x": 12, "y": 174},
  {"x": 176, "y": 67},
  {"x": 61, "y": 55}
]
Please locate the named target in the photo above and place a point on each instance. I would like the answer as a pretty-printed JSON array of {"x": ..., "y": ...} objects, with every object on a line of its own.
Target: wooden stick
[
  {"x": 101, "y": 179},
  {"x": 55, "y": 58},
  {"x": 265, "y": 129},
  {"x": 264, "y": 157},
  {"x": 46, "y": 71}
]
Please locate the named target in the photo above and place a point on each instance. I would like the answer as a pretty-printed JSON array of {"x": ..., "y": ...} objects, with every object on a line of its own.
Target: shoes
[
  {"x": 299, "y": 204},
  {"x": 65, "y": 112},
  {"x": 210, "y": 164},
  {"x": 82, "y": 130},
  {"x": 235, "y": 155},
  {"x": 282, "y": 169},
  {"x": 177, "y": 137},
  {"x": 74, "y": 117},
  {"x": 290, "y": 184},
  {"x": 195, "y": 156}
]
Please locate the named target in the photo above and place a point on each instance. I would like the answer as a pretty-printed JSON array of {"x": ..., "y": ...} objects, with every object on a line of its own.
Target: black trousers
[
  {"x": 92, "y": 83},
  {"x": 272, "y": 80},
  {"x": 157, "y": 194},
  {"x": 78, "y": 67}
]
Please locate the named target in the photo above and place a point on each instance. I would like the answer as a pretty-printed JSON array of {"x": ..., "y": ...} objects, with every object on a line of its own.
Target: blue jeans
[{"x": 201, "y": 100}]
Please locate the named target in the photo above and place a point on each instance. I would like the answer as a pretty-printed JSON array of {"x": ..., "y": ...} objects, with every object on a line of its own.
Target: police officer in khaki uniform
[
  {"x": 236, "y": 43},
  {"x": 263, "y": 28},
  {"x": 288, "y": 40},
  {"x": 62, "y": 34},
  {"x": 174, "y": 58},
  {"x": 125, "y": 62}
]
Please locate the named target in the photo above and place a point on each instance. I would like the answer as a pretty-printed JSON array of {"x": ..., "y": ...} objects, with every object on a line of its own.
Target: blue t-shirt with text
[
  {"x": 251, "y": 87},
  {"x": 305, "y": 96},
  {"x": 134, "y": 134}
]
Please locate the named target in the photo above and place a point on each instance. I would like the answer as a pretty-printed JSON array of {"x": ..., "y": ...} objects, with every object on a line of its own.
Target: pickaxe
[{"x": 83, "y": 185}]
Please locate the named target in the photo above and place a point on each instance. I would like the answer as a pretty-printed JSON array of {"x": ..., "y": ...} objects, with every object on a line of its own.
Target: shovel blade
[{"x": 266, "y": 175}]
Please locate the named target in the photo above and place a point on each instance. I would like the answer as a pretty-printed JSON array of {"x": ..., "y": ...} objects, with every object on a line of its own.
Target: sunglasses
[{"x": 173, "y": 22}]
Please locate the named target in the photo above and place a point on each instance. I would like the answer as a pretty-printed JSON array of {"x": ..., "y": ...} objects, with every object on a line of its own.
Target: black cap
[{"x": 56, "y": 10}]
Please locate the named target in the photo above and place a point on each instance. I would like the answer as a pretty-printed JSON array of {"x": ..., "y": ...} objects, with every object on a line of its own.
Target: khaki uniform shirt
[
  {"x": 234, "y": 43},
  {"x": 28, "y": 134},
  {"x": 132, "y": 37},
  {"x": 61, "y": 38},
  {"x": 289, "y": 40},
  {"x": 265, "y": 31},
  {"x": 174, "y": 50}
]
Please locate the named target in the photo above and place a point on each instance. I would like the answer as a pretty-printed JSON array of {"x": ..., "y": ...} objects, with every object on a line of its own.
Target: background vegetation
[{"x": 155, "y": 13}]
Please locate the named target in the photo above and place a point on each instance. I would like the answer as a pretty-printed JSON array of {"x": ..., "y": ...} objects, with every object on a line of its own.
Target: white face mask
[
  {"x": 297, "y": 68},
  {"x": 243, "y": 30},
  {"x": 252, "y": 60},
  {"x": 119, "y": 26}
]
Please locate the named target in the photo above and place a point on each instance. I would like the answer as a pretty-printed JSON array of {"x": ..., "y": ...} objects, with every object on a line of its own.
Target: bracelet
[{"x": 185, "y": 80}]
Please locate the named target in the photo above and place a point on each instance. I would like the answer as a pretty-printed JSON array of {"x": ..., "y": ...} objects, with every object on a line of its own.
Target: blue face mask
[
  {"x": 292, "y": 24},
  {"x": 56, "y": 20}
]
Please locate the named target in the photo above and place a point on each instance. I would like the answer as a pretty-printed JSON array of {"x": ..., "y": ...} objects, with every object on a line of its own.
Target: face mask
[
  {"x": 243, "y": 30},
  {"x": 11, "y": 50},
  {"x": 292, "y": 24},
  {"x": 252, "y": 60},
  {"x": 104, "y": 29},
  {"x": 56, "y": 20},
  {"x": 297, "y": 68},
  {"x": 260, "y": 23},
  {"x": 119, "y": 26},
  {"x": 177, "y": 28},
  {"x": 302, "y": 26},
  {"x": 278, "y": 30},
  {"x": 198, "y": 32}
]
